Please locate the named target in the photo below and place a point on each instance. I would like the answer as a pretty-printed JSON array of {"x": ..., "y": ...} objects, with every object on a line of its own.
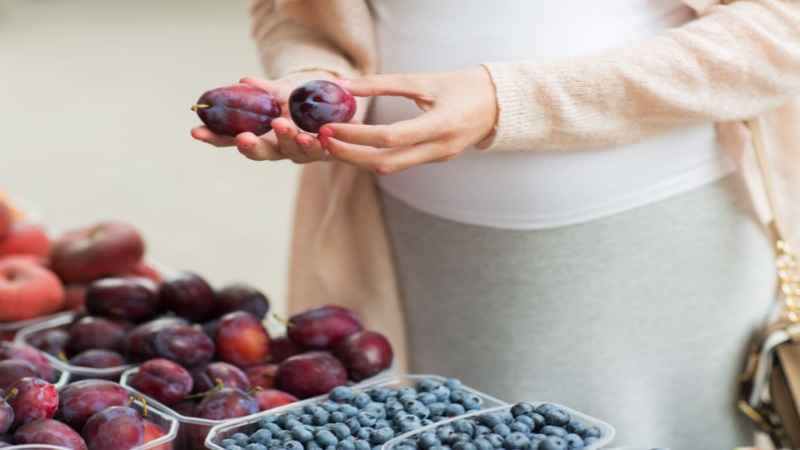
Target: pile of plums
[
  {"x": 240, "y": 108},
  {"x": 39, "y": 277},
  {"x": 86, "y": 415}
]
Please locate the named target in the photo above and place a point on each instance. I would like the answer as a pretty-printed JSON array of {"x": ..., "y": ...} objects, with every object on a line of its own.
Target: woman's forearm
[{"x": 739, "y": 60}]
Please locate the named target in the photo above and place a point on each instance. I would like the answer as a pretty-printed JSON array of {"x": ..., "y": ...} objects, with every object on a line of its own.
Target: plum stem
[
  {"x": 282, "y": 320},
  {"x": 200, "y": 106},
  {"x": 11, "y": 394},
  {"x": 63, "y": 356}
]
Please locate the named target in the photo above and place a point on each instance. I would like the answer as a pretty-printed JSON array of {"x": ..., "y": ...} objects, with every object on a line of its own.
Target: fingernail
[
  {"x": 280, "y": 130},
  {"x": 326, "y": 132}
]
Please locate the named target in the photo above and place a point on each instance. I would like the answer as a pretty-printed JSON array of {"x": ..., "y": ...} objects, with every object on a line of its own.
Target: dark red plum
[
  {"x": 140, "y": 342},
  {"x": 187, "y": 345},
  {"x": 13, "y": 370},
  {"x": 98, "y": 359},
  {"x": 15, "y": 350},
  {"x": 310, "y": 374},
  {"x": 210, "y": 328},
  {"x": 206, "y": 378},
  {"x": 83, "y": 399},
  {"x": 365, "y": 354},
  {"x": 188, "y": 295},
  {"x": 242, "y": 339},
  {"x": 241, "y": 297},
  {"x": 6, "y": 416},
  {"x": 96, "y": 333},
  {"x": 32, "y": 399},
  {"x": 115, "y": 428},
  {"x": 226, "y": 403},
  {"x": 318, "y": 102},
  {"x": 231, "y": 110},
  {"x": 124, "y": 298},
  {"x": 165, "y": 381},
  {"x": 281, "y": 348},
  {"x": 52, "y": 341},
  {"x": 272, "y": 398},
  {"x": 321, "y": 328},
  {"x": 262, "y": 376},
  {"x": 49, "y": 432}
]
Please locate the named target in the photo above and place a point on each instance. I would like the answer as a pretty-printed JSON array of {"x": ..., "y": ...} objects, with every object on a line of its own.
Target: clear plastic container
[
  {"x": 9, "y": 330},
  {"x": 249, "y": 424},
  {"x": 165, "y": 421},
  {"x": 607, "y": 432},
  {"x": 76, "y": 372}
]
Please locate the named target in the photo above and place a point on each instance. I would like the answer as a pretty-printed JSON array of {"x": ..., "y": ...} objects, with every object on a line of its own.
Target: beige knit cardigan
[{"x": 739, "y": 59}]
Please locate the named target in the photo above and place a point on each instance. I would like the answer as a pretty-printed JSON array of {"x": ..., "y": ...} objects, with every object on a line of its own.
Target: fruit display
[
  {"x": 231, "y": 110},
  {"x": 87, "y": 415},
  {"x": 318, "y": 102}
]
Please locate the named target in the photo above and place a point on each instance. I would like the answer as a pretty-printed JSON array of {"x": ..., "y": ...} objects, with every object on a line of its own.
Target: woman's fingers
[
  {"x": 286, "y": 132},
  {"x": 258, "y": 82},
  {"x": 400, "y": 85},
  {"x": 259, "y": 148},
  {"x": 311, "y": 147},
  {"x": 385, "y": 161},
  {"x": 202, "y": 133},
  {"x": 426, "y": 127}
]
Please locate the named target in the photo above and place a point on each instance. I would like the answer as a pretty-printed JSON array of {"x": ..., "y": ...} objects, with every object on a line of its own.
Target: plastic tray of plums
[{"x": 97, "y": 414}]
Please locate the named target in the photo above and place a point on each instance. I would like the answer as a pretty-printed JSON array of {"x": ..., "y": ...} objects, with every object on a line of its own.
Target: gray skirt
[{"x": 640, "y": 319}]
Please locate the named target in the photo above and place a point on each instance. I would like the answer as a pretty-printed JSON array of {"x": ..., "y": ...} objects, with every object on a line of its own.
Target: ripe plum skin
[
  {"x": 231, "y": 110},
  {"x": 318, "y": 102}
]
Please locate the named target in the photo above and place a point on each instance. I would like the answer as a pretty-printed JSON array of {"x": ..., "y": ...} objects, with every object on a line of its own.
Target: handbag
[{"x": 770, "y": 381}]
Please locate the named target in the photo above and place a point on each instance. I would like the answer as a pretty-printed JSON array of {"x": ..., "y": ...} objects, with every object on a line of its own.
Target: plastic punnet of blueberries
[{"x": 353, "y": 420}]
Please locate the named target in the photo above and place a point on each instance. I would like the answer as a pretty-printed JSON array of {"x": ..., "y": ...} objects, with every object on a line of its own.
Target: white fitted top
[{"x": 530, "y": 189}]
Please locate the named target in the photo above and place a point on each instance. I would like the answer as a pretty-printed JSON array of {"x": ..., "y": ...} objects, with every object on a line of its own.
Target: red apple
[
  {"x": 93, "y": 252},
  {"x": 25, "y": 238},
  {"x": 28, "y": 290}
]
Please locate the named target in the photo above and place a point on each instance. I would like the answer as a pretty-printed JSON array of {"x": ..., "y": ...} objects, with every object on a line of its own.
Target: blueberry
[
  {"x": 521, "y": 409},
  {"x": 426, "y": 398},
  {"x": 364, "y": 433},
  {"x": 553, "y": 443},
  {"x": 345, "y": 445},
  {"x": 426, "y": 422},
  {"x": 337, "y": 417},
  {"x": 302, "y": 434},
  {"x": 319, "y": 415},
  {"x": 495, "y": 439},
  {"x": 261, "y": 437},
  {"x": 406, "y": 393},
  {"x": 284, "y": 418},
  {"x": 382, "y": 423},
  {"x": 552, "y": 430},
  {"x": 502, "y": 429},
  {"x": 291, "y": 423},
  {"x": 381, "y": 436},
  {"x": 325, "y": 438},
  {"x": 376, "y": 409},
  {"x": 444, "y": 432},
  {"x": 574, "y": 441},
  {"x": 457, "y": 396},
  {"x": 464, "y": 426},
  {"x": 520, "y": 427},
  {"x": 557, "y": 417},
  {"x": 483, "y": 444},
  {"x": 405, "y": 447},
  {"x": 268, "y": 419},
  {"x": 379, "y": 394},
  {"x": 417, "y": 408},
  {"x": 331, "y": 447},
  {"x": 428, "y": 439},
  {"x": 592, "y": 432},
  {"x": 490, "y": 420},
  {"x": 427, "y": 385},
  {"x": 282, "y": 435},
  {"x": 442, "y": 393},
  {"x": 437, "y": 409},
  {"x": 306, "y": 419},
  {"x": 361, "y": 444},
  {"x": 453, "y": 383},
  {"x": 353, "y": 424},
  {"x": 361, "y": 400},
  {"x": 275, "y": 443},
  {"x": 527, "y": 420},
  {"x": 366, "y": 419},
  {"x": 590, "y": 440},
  {"x": 459, "y": 437},
  {"x": 454, "y": 409},
  {"x": 348, "y": 410},
  {"x": 392, "y": 409},
  {"x": 471, "y": 402},
  {"x": 538, "y": 421},
  {"x": 240, "y": 438},
  {"x": 228, "y": 442},
  {"x": 293, "y": 445},
  {"x": 341, "y": 394},
  {"x": 464, "y": 445},
  {"x": 340, "y": 430},
  {"x": 330, "y": 406},
  {"x": 234, "y": 447},
  {"x": 410, "y": 423},
  {"x": 516, "y": 441},
  {"x": 481, "y": 430},
  {"x": 508, "y": 419}
]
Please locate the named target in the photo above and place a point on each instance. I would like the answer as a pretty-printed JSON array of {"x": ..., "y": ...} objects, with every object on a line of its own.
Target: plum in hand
[
  {"x": 231, "y": 110},
  {"x": 318, "y": 102}
]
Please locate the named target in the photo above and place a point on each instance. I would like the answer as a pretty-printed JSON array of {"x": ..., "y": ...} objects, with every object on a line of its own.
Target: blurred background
[{"x": 95, "y": 98}]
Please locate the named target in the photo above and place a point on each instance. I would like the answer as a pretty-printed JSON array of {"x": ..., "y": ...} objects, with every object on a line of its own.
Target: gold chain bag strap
[{"x": 770, "y": 382}]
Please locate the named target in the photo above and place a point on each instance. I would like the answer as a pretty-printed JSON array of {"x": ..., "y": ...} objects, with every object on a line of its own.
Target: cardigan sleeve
[
  {"x": 735, "y": 62},
  {"x": 301, "y": 35}
]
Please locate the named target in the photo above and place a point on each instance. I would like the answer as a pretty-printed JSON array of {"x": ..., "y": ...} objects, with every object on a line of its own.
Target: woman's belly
[{"x": 532, "y": 189}]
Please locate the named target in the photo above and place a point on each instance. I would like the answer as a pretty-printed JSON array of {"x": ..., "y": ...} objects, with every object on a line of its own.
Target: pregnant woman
[{"x": 564, "y": 207}]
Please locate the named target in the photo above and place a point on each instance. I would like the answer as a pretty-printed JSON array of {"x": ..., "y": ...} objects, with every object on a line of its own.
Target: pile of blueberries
[
  {"x": 352, "y": 420},
  {"x": 524, "y": 427}
]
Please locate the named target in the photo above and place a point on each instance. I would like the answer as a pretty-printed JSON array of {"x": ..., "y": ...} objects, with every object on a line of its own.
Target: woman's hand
[
  {"x": 285, "y": 141},
  {"x": 460, "y": 110}
]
